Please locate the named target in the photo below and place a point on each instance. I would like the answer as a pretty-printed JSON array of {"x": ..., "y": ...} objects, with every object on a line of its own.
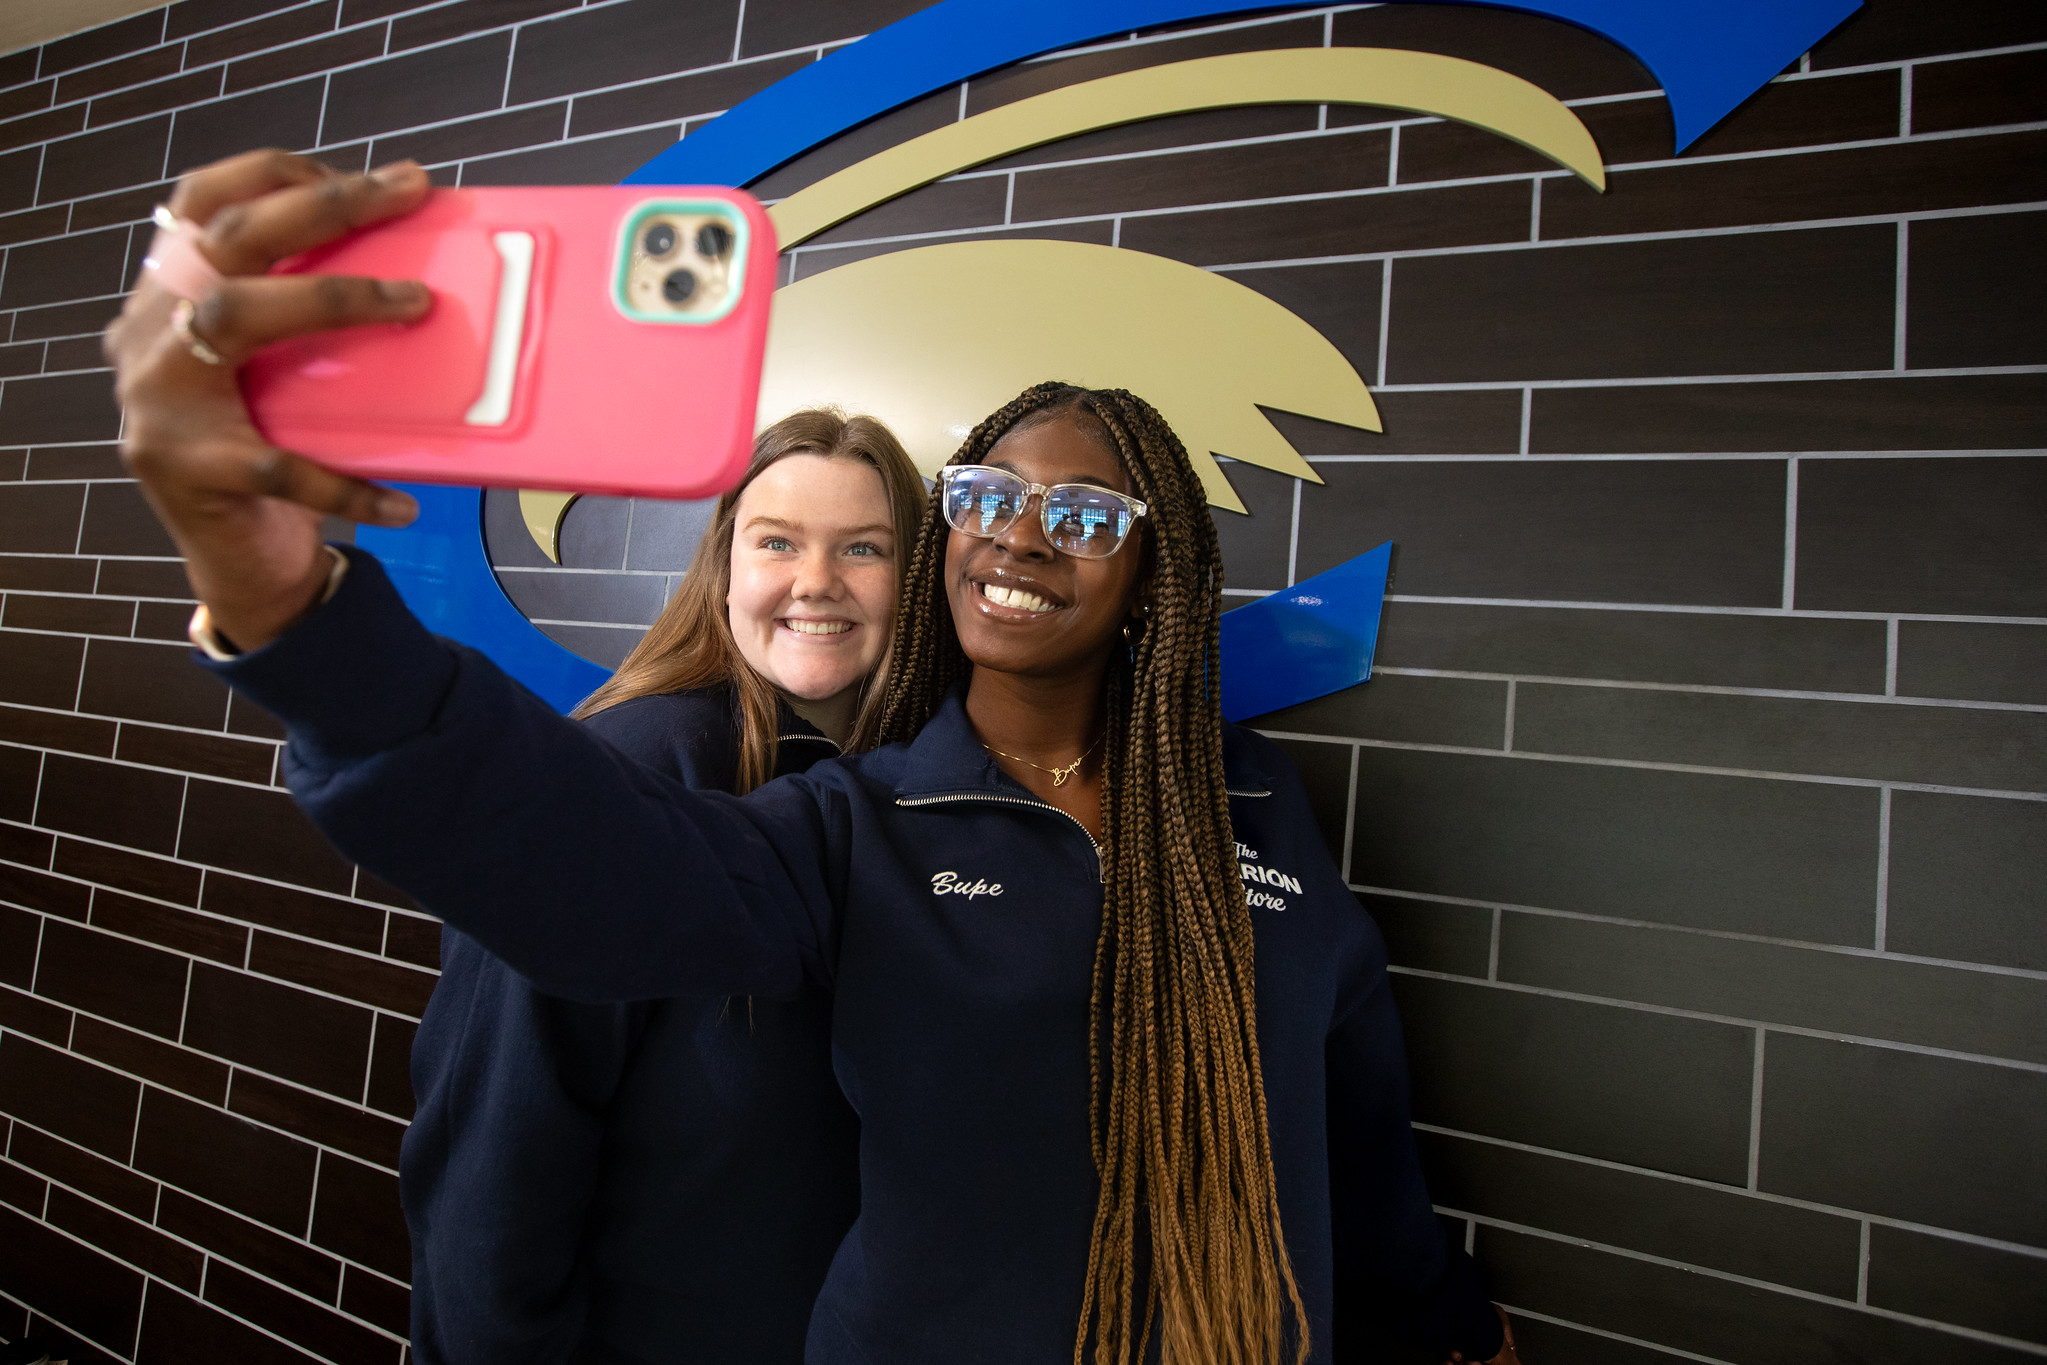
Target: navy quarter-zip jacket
[
  {"x": 626, "y": 1184},
  {"x": 954, "y": 917}
]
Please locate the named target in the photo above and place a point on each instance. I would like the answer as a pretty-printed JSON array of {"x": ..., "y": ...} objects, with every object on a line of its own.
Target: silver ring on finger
[{"x": 182, "y": 313}]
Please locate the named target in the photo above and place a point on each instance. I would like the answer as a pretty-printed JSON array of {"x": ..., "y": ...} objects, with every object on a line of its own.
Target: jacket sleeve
[
  {"x": 501, "y": 1165},
  {"x": 1392, "y": 1259},
  {"x": 593, "y": 877}
]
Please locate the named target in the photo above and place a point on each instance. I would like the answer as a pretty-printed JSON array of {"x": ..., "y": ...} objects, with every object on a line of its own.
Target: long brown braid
[{"x": 1178, "y": 1110}]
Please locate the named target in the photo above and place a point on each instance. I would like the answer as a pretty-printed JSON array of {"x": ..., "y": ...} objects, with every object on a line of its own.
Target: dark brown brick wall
[{"x": 1701, "y": 795}]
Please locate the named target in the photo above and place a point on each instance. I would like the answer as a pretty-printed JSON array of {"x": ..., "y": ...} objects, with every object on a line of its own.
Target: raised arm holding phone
[{"x": 1106, "y": 1104}]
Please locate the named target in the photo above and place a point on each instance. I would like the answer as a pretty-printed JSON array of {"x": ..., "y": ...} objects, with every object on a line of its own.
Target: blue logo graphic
[
  {"x": 1709, "y": 55},
  {"x": 1315, "y": 638}
]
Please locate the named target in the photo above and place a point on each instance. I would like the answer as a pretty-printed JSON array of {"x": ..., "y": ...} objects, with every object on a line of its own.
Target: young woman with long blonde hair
[{"x": 664, "y": 1178}]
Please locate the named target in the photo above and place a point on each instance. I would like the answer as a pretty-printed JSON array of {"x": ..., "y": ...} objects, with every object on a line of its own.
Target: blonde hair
[{"x": 690, "y": 644}]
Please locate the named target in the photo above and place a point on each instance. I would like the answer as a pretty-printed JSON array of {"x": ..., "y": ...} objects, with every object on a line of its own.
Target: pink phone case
[{"x": 534, "y": 369}]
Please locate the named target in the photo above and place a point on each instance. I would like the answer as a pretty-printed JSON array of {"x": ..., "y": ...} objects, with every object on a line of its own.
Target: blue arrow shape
[
  {"x": 440, "y": 568},
  {"x": 1315, "y": 638},
  {"x": 1709, "y": 55}
]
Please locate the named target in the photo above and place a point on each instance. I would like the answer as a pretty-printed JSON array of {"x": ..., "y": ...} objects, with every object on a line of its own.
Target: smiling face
[
  {"x": 1021, "y": 606},
  {"x": 813, "y": 588}
]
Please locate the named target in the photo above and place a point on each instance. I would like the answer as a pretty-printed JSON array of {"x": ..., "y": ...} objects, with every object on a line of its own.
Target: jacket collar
[
  {"x": 790, "y": 726},
  {"x": 948, "y": 759}
]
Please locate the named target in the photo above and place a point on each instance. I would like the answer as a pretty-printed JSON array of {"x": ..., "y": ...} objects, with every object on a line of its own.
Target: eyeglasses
[{"x": 1081, "y": 519}]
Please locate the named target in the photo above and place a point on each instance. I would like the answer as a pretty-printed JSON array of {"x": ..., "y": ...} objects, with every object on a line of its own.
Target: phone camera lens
[
  {"x": 714, "y": 240},
  {"x": 659, "y": 240},
  {"x": 678, "y": 287}
]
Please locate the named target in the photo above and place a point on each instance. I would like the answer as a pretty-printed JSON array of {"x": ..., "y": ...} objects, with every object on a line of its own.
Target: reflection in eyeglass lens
[
  {"x": 995, "y": 506},
  {"x": 1078, "y": 520}
]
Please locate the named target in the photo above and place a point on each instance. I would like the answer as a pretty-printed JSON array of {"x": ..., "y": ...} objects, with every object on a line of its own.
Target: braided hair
[{"x": 1177, "y": 1110}]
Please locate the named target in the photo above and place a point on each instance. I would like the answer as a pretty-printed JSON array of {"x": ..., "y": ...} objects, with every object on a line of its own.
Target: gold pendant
[{"x": 1059, "y": 775}]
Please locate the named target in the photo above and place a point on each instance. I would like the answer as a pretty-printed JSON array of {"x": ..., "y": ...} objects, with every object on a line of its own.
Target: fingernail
[
  {"x": 397, "y": 174},
  {"x": 403, "y": 292},
  {"x": 394, "y": 508}
]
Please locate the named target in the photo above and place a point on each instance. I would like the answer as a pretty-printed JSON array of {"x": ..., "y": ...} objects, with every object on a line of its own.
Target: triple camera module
[{"x": 681, "y": 266}]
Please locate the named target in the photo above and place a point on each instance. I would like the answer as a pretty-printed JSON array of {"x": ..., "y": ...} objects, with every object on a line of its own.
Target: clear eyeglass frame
[{"x": 1076, "y": 515}]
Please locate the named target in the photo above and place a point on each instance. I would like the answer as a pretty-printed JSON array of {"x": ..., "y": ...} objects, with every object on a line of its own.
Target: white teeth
[
  {"x": 802, "y": 627},
  {"x": 1014, "y": 597}
]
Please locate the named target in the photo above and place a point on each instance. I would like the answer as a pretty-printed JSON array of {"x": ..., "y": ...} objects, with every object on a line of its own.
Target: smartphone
[{"x": 591, "y": 339}]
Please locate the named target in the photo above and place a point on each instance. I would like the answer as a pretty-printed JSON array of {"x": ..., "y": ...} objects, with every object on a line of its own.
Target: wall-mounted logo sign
[{"x": 904, "y": 336}]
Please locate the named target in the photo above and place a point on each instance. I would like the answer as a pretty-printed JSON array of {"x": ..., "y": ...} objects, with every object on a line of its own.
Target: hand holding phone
[
  {"x": 590, "y": 339},
  {"x": 244, "y": 513}
]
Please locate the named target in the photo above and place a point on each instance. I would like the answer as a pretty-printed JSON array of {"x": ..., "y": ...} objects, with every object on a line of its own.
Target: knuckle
[
  {"x": 187, "y": 189},
  {"x": 270, "y": 473},
  {"x": 335, "y": 197},
  {"x": 218, "y": 316},
  {"x": 338, "y": 297},
  {"x": 229, "y": 226},
  {"x": 140, "y": 457}
]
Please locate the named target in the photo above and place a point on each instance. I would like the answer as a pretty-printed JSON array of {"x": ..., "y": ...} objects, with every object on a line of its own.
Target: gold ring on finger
[{"x": 181, "y": 322}]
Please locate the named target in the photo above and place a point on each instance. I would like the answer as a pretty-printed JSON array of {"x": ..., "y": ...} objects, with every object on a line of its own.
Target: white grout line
[
  {"x": 1616, "y": 238},
  {"x": 319, "y": 121},
  {"x": 1891, "y": 657},
  {"x": 739, "y": 35},
  {"x": 1790, "y": 532},
  {"x": 1492, "y": 961},
  {"x": 1506, "y": 384},
  {"x": 370, "y": 1063},
  {"x": 1862, "y": 1264},
  {"x": 1660, "y": 1348},
  {"x": 1755, "y": 1114},
  {"x": 1715, "y": 690},
  {"x": 1507, "y": 729},
  {"x": 1883, "y": 869},
  {"x": 36, "y": 804},
  {"x": 1293, "y": 544},
  {"x": 1385, "y": 315},
  {"x": 1768, "y": 1286},
  {"x": 1899, "y": 295},
  {"x": 1732, "y": 935},
  {"x": 1350, "y": 812},
  {"x": 184, "y": 1012},
  {"x": 1697, "y": 609},
  {"x": 1826, "y": 1035},
  {"x": 1660, "y": 765},
  {"x": 511, "y": 60}
]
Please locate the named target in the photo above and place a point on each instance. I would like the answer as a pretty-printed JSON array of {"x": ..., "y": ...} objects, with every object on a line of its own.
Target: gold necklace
[{"x": 1059, "y": 775}]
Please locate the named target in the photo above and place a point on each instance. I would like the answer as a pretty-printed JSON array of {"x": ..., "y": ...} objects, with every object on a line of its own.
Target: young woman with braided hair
[
  {"x": 1173, "y": 967},
  {"x": 1113, "y": 1106}
]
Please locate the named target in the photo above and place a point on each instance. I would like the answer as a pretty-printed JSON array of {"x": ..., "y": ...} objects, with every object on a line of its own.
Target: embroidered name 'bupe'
[{"x": 951, "y": 884}]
